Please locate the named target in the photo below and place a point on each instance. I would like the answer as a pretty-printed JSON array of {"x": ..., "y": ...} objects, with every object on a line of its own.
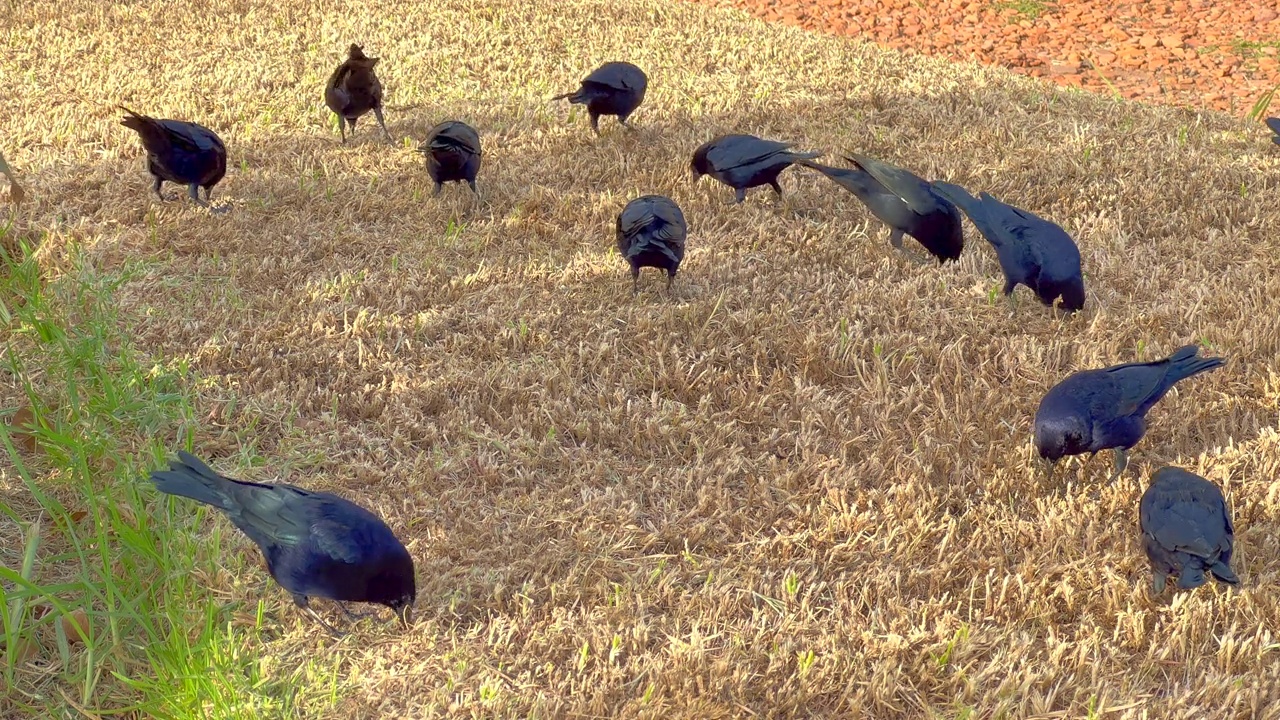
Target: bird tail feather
[
  {"x": 1185, "y": 362},
  {"x": 1274, "y": 124},
  {"x": 189, "y": 477}
]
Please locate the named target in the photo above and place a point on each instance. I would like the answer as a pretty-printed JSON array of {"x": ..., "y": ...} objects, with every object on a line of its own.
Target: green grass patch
[
  {"x": 91, "y": 418},
  {"x": 1028, "y": 9}
]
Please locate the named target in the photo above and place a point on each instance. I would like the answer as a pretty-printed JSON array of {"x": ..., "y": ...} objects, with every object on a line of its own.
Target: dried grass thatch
[{"x": 803, "y": 488}]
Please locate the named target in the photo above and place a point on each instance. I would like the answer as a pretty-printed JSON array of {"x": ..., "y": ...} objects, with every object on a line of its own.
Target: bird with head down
[
  {"x": 315, "y": 544},
  {"x": 1186, "y": 529}
]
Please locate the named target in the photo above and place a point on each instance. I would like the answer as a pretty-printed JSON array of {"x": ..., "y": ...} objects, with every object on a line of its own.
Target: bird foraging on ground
[
  {"x": 1186, "y": 529},
  {"x": 1274, "y": 124},
  {"x": 180, "y": 152},
  {"x": 903, "y": 201},
  {"x": 353, "y": 90},
  {"x": 452, "y": 149},
  {"x": 614, "y": 88},
  {"x": 1106, "y": 409},
  {"x": 315, "y": 544},
  {"x": 651, "y": 233},
  {"x": 1032, "y": 251},
  {"x": 745, "y": 161}
]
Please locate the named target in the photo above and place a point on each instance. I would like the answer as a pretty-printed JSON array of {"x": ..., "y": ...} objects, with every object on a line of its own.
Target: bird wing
[
  {"x": 455, "y": 134},
  {"x": 619, "y": 76},
  {"x": 667, "y": 236},
  {"x": 739, "y": 150},
  {"x": 913, "y": 190},
  {"x": 190, "y": 137},
  {"x": 1137, "y": 384},
  {"x": 342, "y": 534}
]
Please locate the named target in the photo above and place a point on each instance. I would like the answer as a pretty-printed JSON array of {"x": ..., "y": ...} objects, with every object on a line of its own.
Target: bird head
[
  {"x": 1073, "y": 296},
  {"x": 355, "y": 55},
  {"x": 396, "y": 587},
  {"x": 698, "y": 166},
  {"x": 1057, "y": 438}
]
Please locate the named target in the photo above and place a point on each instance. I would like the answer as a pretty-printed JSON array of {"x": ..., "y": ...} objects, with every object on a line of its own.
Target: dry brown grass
[{"x": 803, "y": 488}]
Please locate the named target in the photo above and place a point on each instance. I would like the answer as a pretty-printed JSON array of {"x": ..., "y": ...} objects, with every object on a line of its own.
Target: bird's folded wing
[{"x": 911, "y": 188}]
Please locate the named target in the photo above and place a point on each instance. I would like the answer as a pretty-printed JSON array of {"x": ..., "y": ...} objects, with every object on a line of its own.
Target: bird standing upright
[
  {"x": 180, "y": 152},
  {"x": 315, "y": 544},
  {"x": 651, "y": 233},
  {"x": 614, "y": 88},
  {"x": 1186, "y": 529},
  {"x": 903, "y": 201},
  {"x": 1106, "y": 409},
  {"x": 453, "y": 154},
  {"x": 745, "y": 161},
  {"x": 1032, "y": 251},
  {"x": 353, "y": 90}
]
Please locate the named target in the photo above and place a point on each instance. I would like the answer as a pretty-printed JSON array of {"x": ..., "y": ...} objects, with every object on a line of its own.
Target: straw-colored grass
[{"x": 802, "y": 488}]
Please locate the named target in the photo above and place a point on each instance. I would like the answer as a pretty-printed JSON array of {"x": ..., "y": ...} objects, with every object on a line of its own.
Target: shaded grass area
[{"x": 87, "y": 416}]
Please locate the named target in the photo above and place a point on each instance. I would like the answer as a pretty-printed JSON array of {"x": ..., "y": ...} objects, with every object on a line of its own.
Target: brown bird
[{"x": 354, "y": 90}]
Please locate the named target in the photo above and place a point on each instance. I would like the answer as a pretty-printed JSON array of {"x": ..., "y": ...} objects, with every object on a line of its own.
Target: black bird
[
  {"x": 1032, "y": 251},
  {"x": 1186, "y": 529},
  {"x": 614, "y": 88},
  {"x": 904, "y": 202},
  {"x": 315, "y": 544},
  {"x": 1274, "y": 124},
  {"x": 180, "y": 152},
  {"x": 353, "y": 90},
  {"x": 1104, "y": 409},
  {"x": 452, "y": 149},
  {"x": 745, "y": 161},
  {"x": 651, "y": 233}
]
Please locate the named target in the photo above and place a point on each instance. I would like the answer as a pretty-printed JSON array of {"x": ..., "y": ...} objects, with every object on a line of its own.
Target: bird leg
[
  {"x": 895, "y": 238},
  {"x": 1157, "y": 583},
  {"x": 1122, "y": 461},
  {"x": 622, "y": 120},
  {"x": 439, "y": 186},
  {"x": 635, "y": 281},
  {"x": 194, "y": 191},
  {"x": 739, "y": 194},
  {"x": 595, "y": 123},
  {"x": 342, "y": 128},
  {"x": 352, "y": 615},
  {"x": 301, "y": 601},
  {"x": 671, "y": 277},
  {"x": 776, "y": 187},
  {"x": 377, "y": 112},
  {"x": 155, "y": 188},
  {"x": 472, "y": 183}
]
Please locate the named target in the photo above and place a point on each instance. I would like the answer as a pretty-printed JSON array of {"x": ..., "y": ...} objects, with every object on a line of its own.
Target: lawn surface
[{"x": 801, "y": 488}]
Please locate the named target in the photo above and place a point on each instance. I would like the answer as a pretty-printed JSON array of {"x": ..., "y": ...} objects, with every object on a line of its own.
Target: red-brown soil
[{"x": 1219, "y": 54}]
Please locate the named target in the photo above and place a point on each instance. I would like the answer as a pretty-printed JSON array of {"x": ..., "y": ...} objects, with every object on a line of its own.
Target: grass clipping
[{"x": 801, "y": 488}]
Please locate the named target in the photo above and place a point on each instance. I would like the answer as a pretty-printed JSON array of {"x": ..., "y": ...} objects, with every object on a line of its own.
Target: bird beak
[{"x": 405, "y": 613}]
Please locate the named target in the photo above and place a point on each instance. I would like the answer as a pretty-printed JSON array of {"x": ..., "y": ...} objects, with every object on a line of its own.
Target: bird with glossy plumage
[
  {"x": 614, "y": 88},
  {"x": 1186, "y": 529},
  {"x": 1032, "y": 251},
  {"x": 452, "y": 149},
  {"x": 180, "y": 152},
  {"x": 315, "y": 544},
  {"x": 745, "y": 161},
  {"x": 651, "y": 232},
  {"x": 904, "y": 201},
  {"x": 353, "y": 90},
  {"x": 1106, "y": 409}
]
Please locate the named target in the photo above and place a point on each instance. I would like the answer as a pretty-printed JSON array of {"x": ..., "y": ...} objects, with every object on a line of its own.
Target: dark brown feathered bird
[
  {"x": 453, "y": 154},
  {"x": 180, "y": 152},
  {"x": 354, "y": 90}
]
